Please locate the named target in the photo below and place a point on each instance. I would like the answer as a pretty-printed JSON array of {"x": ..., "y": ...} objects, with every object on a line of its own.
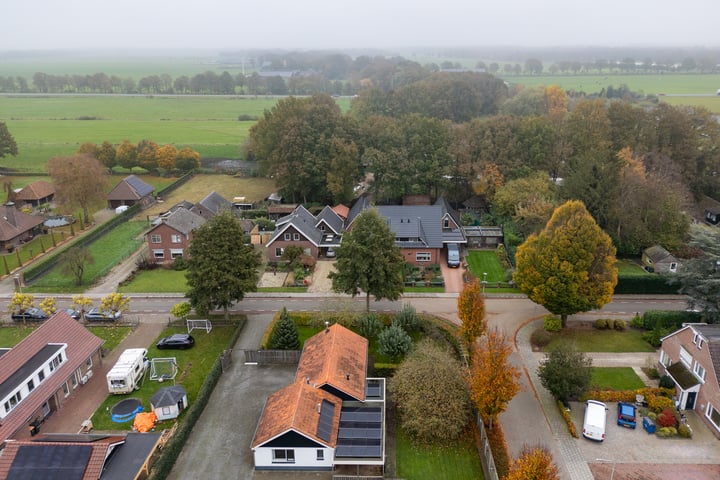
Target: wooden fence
[{"x": 286, "y": 357}]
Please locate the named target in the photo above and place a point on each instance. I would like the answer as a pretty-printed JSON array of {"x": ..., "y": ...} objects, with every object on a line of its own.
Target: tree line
[
  {"x": 146, "y": 154},
  {"x": 637, "y": 167}
]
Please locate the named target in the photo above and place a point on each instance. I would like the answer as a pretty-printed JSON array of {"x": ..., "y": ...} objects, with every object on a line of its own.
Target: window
[
  {"x": 66, "y": 389},
  {"x": 176, "y": 238},
  {"x": 287, "y": 237},
  {"x": 685, "y": 357},
  {"x": 51, "y": 366},
  {"x": 699, "y": 371},
  {"x": 695, "y": 337},
  {"x": 320, "y": 455},
  {"x": 446, "y": 223},
  {"x": 159, "y": 253},
  {"x": 673, "y": 267},
  {"x": 422, "y": 256},
  {"x": 155, "y": 239},
  {"x": 296, "y": 237},
  {"x": 166, "y": 410},
  {"x": 700, "y": 343},
  {"x": 88, "y": 362},
  {"x": 278, "y": 252},
  {"x": 713, "y": 415},
  {"x": 41, "y": 375},
  {"x": 284, "y": 456},
  {"x": 665, "y": 358},
  {"x": 31, "y": 385},
  {"x": 176, "y": 253}
]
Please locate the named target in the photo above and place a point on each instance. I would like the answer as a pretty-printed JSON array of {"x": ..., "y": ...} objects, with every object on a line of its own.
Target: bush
[
  {"x": 394, "y": 342},
  {"x": 684, "y": 431},
  {"x": 407, "y": 318},
  {"x": 568, "y": 419},
  {"x": 667, "y": 418},
  {"x": 601, "y": 324},
  {"x": 618, "y": 324},
  {"x": 637, "y": 321},
  {"x": 551, "y": 323},
  {"x": 666, "y": 432},
  {"x": 666, "y": 382},
  {"x": 285, "y": 334},
  {"x": 180, "y": 264},
  {"x": 369, "y": 325},
  {"x": 541, "y": 338}
]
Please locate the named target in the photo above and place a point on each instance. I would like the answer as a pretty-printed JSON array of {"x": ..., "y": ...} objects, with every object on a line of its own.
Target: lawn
[
  {"x": 594, "y": 340},
  {"x": 630, "y": 268},
  {"x": 419, "y": 462},
  {"x": 107, "y": 252},
  {"x": 193, "y": 367},
  {"x": 485, "y": 261},
  {"x": 159, "y": 280},
  {"x": 615, "y": 378}
]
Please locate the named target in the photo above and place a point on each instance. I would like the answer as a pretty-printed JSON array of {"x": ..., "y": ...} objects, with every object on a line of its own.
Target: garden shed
[{"x": 168, "y": 402}]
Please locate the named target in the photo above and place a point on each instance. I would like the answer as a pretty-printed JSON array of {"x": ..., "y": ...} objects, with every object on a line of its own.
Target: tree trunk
[
  {"x": 563, "y": 319},
  {"x": 227, "y": 313},
  {"x": 367, "y": 302}
]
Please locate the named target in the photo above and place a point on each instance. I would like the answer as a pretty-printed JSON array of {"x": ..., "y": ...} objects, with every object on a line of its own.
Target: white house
[{"x": 168, "y": 402}]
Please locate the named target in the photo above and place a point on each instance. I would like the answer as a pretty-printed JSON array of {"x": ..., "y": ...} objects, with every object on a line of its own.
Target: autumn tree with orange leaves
[
  {"x": 493, "y": 381},
  {"x": 534, "y": 463},
  {"x": 471, "y": 310}
]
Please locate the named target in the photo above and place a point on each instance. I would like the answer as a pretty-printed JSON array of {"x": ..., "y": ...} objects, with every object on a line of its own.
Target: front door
[
  {"x": 46, "y": 409},
  {"x": 690, "y": 402}
]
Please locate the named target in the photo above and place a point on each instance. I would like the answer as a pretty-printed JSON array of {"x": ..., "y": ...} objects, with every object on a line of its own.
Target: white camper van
[
  {"x": 594, "y": 423},
  {"x": 125, "y": 375}
]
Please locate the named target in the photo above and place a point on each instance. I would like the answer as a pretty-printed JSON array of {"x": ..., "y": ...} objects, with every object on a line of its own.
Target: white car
[{"x": 330, "y": 253}]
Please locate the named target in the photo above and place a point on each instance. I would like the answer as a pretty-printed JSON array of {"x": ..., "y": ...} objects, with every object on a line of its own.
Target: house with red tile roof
[
  {"x": 36, "y": 194},
  {"x": 331, "y": 417},
  {"x": 40, "y": 372},
  {"x": 16, "y": 227}
]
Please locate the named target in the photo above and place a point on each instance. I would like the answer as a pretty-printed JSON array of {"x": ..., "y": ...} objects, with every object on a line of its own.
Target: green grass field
[
  {"x": 485, "y": 261},
  {"x": 419, "y": 462},
  {"x": 594, "y": 340},
  {"x": 615, "y": 378}
]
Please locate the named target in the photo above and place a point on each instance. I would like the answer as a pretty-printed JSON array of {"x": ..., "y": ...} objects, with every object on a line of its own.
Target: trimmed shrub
[
  {"x": 666, "y": 382},
  {"x": 568, "y": 419},
  {"x": 600, "y": 324},
  {"x": 394, "y": 342},
  {"x": 667, "y": 418},
  {"x": 665, "y": 432},
  {"x": 619, "y": 324},
  {"x": 684, "y": 431},
  {"x": 541, "y": 338},
  {"x": 658, "y": 403},
  {"x": 551, "y": 323}
]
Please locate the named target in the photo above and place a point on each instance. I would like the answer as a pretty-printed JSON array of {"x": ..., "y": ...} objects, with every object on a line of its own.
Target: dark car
[
  {"x": 31, "y": 314},
  {"x": 179, "y": 341},
  {"x": 73, "y": 313},
  {"x": 95, "y": 315},
  {"x": 626, "y": 415}
]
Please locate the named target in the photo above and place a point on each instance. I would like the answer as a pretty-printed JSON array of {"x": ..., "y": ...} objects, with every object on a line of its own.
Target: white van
[
  {"x": 594, "y": 423},
  {"x": 453, "y": 255}
]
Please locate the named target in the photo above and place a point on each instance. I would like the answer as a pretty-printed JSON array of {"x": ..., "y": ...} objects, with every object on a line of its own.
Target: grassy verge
[
  {"x": 193, "y": 366},
  {"x": 593, "y": 340},
  {"x": 107, "y": 252},
  {"x": 160, "y": 280},
  {"x": 615, "y": 378},
  {"x": 112, "y": 334},
  {"x": 457, "y": 461}
]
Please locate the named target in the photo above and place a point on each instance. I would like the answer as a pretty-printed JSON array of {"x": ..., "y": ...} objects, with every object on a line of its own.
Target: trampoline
[{"x": 126, "y": 410}]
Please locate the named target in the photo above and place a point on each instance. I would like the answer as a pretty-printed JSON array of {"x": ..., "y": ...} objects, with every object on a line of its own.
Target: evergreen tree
[
  {"x": 7, "y": 142},
  {"x": 394, "y": 342},
  {"x": 285, "y": 334}
]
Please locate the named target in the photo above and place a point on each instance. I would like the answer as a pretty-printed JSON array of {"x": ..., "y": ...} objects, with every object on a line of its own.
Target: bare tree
[
  {"x": 80, "y": 181},
  {"x": 75, "y": 261}
]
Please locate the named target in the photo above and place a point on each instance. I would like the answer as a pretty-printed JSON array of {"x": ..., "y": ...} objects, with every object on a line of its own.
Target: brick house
[
  {"x": 171, "y": 235},
  {"x": 301, "y": 228},
  {"x": 691, "y": 357},
  {"x": 40, "y": 372},
  {"x": 16, "y": 227},
  {"x": 211, "y": 205}
]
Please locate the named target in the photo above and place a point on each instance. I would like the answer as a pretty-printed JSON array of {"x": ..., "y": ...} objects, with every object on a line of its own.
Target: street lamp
[
  {"x": 605, "y": 460},
  {"x": 484, "y": 281}
]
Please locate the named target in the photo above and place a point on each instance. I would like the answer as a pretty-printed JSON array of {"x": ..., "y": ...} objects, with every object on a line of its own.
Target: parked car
[
  {"x": 73, "y": 313},
  {"x": 626, "y": 415},
  {"x": 178, "y": 341},
  {"x": 31, "y": 314},
  {"x": 95, "y": 315},
  {"x": 330, "y": 252}
]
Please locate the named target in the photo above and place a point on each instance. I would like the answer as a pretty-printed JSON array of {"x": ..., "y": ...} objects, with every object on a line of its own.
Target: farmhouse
[
  {"x": 130, "y": 191},
  {"x": 691, "y": 357},
  {"x": 16, "y": 227},
  {"x": 331, "y": 417},
  {"x": 42, "y": 370}
]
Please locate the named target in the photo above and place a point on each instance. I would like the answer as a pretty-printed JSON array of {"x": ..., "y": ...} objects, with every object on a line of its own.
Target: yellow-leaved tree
[
  {"x": 569, "y": 267},
  {"x": 534, "y": 463},
  {"x": 48, "y": 306},
  {"x": 471, "y": 310},
  {"x": 493, "y": 381},
  {"x": 114, "y": 302}
]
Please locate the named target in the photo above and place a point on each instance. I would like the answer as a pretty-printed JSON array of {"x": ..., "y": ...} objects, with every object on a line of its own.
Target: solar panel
[
  {"x": 360, "y": 433},
  {"x": 49, "y": 462},
  {"x": 327, "y": 412}
]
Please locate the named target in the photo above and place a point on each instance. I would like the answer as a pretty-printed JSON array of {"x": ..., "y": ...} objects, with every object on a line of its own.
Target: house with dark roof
[
  {"x": 659, "y": 260},
  {"x": 301, "y": 228},
  {"x": 710, "y": 210},
  {"x": 331, "y": 417},
  {"x": 169, "y": 402},
  {"x": 691, "y": 357},
  {"x": 16, "y": 227},
  {"x": 211, "y": 205},
  {"x": 171, "y": 234},
  {"x": 40, "y": 372},
  {"x": 79, "y": 456},
  {"x": 130, "y": 191},
  {"x": 36, "y": 194}
]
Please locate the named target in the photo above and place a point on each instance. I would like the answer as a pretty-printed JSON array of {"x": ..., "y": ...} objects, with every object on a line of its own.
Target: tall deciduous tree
[
  {"x": 430, "y": 392},
  {"x": 167, "y": 157},
  {"x": 147, "y": 155},
  {"x": 115, "y": 302},
  {"x": 369, "y": 261},
  {"x": 534, "y": 463},
  {"x": 471, "y": 310},
  {"x": 187, "y": 160},
  {"x": 126, "y": 155},
  {"x": 107, "y": 155},
  {"x": 565, "y": 372},
  {"x": 7, "y": 142},
  {"x": 221, "y": 269},
  {"x": 80, "y": 181},
  {"x": 493, "y": 381},
  {"x": 75, "y": 261},
  {"x": 569, "y": 266}
]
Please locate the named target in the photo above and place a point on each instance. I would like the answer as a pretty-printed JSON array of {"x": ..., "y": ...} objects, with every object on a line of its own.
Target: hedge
[
  {"x": 669, "y": 319},
  {"x": 645, "y": 284}
]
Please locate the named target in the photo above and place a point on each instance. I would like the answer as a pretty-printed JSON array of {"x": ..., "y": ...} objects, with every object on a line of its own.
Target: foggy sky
[{"x": 325, "y": 24}]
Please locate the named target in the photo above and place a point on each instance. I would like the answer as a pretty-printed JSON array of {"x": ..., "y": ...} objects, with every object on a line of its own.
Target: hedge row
[
  {"x": 645, "y": 284},
  {"x": 172, "y": 449},
  {"x": 176, "y": 184},
  {"x": 656, "y": 398},
  {"x": 669, "y": 319}
]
